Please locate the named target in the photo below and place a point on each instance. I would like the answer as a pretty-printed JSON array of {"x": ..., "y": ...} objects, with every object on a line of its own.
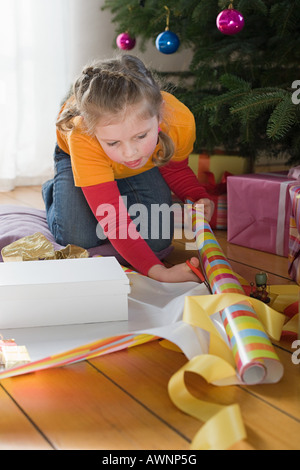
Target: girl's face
[{"x": 129, "y": 139}]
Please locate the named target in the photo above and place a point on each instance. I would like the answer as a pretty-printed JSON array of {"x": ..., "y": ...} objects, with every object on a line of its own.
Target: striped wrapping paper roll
[{"x": 251, "y": 346}]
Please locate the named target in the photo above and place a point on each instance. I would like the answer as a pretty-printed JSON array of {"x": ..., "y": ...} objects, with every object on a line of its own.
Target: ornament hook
[{"x": 168, "y": 18}]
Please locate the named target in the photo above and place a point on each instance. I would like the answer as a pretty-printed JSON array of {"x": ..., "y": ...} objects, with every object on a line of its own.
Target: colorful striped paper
[
  {"x": 294, "y": 236},
  {"x": 85, "y": 352},
  {"x": 249, "y": 343},
  {"x": 221, "y": 223}
]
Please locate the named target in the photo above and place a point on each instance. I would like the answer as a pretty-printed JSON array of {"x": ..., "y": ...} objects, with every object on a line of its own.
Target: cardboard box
[
  {"x": 62, "y": 292},
  {"x": 259, "y": 210}
]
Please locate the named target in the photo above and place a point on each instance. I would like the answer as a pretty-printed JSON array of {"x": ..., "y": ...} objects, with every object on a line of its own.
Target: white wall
[{"x": 92, "y": 36}]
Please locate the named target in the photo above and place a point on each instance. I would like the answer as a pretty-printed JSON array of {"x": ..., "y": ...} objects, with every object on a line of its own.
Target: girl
[{"x": 122, "y": 144}]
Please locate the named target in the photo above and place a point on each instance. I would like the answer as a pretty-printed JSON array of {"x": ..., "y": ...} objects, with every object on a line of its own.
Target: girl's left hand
[{"x": 209, "y": 207}]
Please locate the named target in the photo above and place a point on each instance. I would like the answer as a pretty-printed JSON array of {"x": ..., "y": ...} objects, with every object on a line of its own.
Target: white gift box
[{"x": 62, "y": 292}]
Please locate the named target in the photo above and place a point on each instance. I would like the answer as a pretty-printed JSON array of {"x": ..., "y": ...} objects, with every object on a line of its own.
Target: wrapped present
[
  {"x": 219, "y": 219},
  {"x": 217, "y": 164},
  {"x": 259, "y": 209},
  {"x": 294, "y": 234},
  {"x": 12, "y": 355},
  {"x": 218, "y": 193},
  {"x": 212, "y": 171}
]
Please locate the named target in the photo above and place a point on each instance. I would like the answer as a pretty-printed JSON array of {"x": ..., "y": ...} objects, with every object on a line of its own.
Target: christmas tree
[{"x": 241, "y": 88}]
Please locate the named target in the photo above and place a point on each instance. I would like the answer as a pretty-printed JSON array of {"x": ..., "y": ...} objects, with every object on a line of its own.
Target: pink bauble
[
  {"x": 125, "y": 42},
  {"x": 230, "y": 21}
]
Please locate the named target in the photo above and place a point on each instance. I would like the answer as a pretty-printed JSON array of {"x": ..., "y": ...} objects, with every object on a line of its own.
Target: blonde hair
[{"x": 105, "y": 89}]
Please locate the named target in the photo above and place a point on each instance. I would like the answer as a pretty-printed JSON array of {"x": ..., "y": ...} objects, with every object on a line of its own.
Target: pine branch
[
  {"x": 287, "y": 19},
  {"x": 254, "y": 6},
  {"x": 283, "y": 118},
  {"x": 232, "y": 82},
  {"x": 214, "y": 102},
  {"x": 255, "y": 104}
]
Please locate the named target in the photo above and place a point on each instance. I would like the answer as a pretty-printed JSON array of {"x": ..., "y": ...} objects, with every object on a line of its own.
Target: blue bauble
[{"x": 167, "y": 42}]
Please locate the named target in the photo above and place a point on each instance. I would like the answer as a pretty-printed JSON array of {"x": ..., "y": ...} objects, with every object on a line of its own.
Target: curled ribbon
[
  {"x": 217, "y": 418},
  {"x": 247, "y": 356},
  {"x": 224, "y": 425}
]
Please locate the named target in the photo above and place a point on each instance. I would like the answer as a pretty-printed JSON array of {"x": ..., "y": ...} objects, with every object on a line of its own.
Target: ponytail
[
  {"x": 166, "y": 152},
  {"x": 65, "y": 120}
]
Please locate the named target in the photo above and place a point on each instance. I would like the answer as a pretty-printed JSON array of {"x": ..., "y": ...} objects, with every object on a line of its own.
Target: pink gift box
[{"x": 259, "y": 209}]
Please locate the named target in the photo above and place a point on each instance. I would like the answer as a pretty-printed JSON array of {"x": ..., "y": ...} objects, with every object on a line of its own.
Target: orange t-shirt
[{"x": 91, "y": 165}]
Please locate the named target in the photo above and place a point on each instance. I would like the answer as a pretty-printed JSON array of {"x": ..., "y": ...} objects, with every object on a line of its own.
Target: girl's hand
[
  {"x": 209, "y": 207},
  {"x": 178, "y": 273}
]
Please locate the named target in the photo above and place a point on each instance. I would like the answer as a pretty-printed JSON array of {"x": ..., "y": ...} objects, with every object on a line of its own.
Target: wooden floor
[{"x": 120, "y": 401}]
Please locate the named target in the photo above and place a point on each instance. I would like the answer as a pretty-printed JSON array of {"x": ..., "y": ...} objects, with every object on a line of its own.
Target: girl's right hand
[{"x": 178, "y": 273}]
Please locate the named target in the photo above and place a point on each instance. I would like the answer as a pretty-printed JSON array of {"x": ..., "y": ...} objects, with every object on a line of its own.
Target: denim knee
[
  {"x": 69, "y": 217},
  {"x": 159, "y": 245}
]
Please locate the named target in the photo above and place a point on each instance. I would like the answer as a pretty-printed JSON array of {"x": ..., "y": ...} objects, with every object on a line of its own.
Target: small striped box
[{"x": 294, "y": 236}]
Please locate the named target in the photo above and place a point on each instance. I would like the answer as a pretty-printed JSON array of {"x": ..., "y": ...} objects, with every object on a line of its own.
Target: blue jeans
[{"x": 71, "y": 220}]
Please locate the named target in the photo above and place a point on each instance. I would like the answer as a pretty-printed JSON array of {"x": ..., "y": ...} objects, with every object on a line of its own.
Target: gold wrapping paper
[
  {"x": 37, "y": 247},
  {"x": 71, "y": 251}
]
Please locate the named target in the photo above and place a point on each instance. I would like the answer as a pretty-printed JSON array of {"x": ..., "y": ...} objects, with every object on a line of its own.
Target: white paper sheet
[{"x": 155, "y": 308}]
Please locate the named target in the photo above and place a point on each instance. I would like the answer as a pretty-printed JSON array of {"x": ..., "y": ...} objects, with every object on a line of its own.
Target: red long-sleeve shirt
[
  {"x": 183, "y": 181},
  {"x": 107, "y": 205}
]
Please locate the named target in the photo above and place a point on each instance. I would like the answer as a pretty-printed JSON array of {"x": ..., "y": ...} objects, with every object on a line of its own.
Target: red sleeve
[
  {"x": 182, "y": 181},
  {"x": 109, "y": 209}
]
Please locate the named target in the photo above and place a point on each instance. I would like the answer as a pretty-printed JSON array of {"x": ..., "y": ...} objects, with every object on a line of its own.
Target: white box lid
[{"x": 65, "y": 271}]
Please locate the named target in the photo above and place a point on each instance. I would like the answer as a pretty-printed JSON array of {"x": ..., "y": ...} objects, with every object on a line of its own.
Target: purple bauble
[
  {"x": 230, "y": 22},
  {"x": 125, "y": 42}
]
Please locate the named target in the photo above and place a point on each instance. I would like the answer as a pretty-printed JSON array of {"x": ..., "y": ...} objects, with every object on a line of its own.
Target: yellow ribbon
[
  {"x": 224, "y": 425},
  {"x": 218, "y": 418},
  {"x": 292, "y": 326}
]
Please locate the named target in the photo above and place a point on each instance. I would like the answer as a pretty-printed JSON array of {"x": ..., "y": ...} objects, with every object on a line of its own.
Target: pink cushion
[{"x": 17, "y": 222}]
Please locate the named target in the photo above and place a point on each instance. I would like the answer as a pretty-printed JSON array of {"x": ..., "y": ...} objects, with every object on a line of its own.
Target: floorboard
[{"x": 121, "y": 402}]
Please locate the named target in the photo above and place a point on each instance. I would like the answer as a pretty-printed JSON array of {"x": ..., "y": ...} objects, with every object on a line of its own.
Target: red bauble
[
  {"x": 230, "y": 22},
  {"x": 125, "y": 42}
]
